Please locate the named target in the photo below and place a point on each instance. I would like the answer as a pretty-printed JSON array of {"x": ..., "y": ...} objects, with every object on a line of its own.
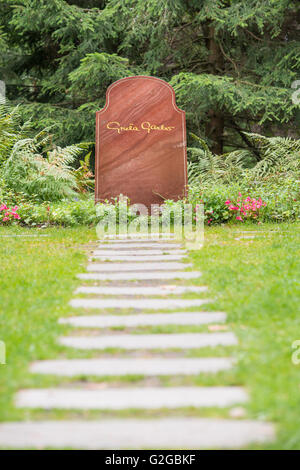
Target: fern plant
[
  {"x": 38, "y": 168},
  {"x": 84, "y": 176},
  {"x": 279, "y": 156},
  {"x": 11, "y": 130},
  {"x": 206, "y": 166}
]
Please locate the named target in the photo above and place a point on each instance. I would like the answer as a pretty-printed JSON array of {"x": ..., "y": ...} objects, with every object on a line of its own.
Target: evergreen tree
[{"x": 231, "y": 62}]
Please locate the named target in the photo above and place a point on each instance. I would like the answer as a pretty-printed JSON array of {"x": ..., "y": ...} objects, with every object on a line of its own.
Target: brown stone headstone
[{"x": 141, "y": 143}]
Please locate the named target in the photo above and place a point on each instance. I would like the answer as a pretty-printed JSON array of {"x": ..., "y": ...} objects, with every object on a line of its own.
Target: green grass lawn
[
  {"x": 255, "y": 281},
  {"x": 37, "y": 277}
]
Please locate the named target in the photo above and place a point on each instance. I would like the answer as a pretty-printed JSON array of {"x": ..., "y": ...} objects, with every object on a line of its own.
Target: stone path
[
  {"x": 158, "y": 341},
  {"x": 137, "y": 398},
  {"x": 121, "y": 267},
  {"x": 143, "y": 258},
  {"x": 138, "y": 275},
  {"x": 133, "y": 252},
  {"x": 122, "y": 246},
  {"x": 107, "y": 321},
  {"x": 164, "y": 433},
  {"x": 127, "y": 366},
  {"x": 153, "y": 304},
  {"x": 138, "y": 290},
  {"x": 135, "y": 279}
]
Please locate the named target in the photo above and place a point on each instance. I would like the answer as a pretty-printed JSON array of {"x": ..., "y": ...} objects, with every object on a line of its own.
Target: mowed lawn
[
  {"x": 256, "y": 281},
  {"x": 37, "y": 277}
]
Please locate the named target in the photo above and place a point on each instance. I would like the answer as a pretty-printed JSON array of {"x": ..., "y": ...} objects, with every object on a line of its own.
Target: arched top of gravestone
[{"x": 140, "y": 89}]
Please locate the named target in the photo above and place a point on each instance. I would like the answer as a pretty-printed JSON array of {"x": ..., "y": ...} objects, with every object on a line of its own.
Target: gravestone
[{"x": 140, "y": 143}]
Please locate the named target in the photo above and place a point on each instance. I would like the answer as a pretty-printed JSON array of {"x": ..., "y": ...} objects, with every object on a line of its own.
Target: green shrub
[
  {"x": 64, "y": 213},
  {"x": 11, "y": 130},
  {"x": 37, "y": 167},
  {"x": 280, "y": 194},
  {"x": 215, "y": 179}
]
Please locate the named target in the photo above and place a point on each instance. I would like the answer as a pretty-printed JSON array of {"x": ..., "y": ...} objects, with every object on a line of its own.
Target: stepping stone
[
  {"x": 150, "y": 398},
  {"x": 157, "y": 341},
  {"x": 137, "y": 290},
  {"x": 135, "y": 252},
  {"x": 117, "y": 267},
  {"x": 147, "y": 303},
  {"x": 248, "y": 236},
  {"x": 162, "y": 433},
  {"x": 118, "y": 367},
  {"x": 140, "y": 258},
  {"x": 142, "y": 236},
  {"x": 145, "y": 240},
  {"x": 122, "y": 246},
  {"x": 107, "y": 321},
  {"x": 245, "y": 238},
  {"x": 140, "y": 276}
]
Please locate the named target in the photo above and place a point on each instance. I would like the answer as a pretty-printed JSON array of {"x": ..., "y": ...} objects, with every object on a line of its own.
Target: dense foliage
[
  {"x": 39, "y": 185},
  {"x": 33, "y": 165},
  {"x": 232, "y": 63}
]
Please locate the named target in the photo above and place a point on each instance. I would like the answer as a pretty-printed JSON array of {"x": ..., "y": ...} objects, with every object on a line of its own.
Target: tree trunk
[
  {"x": 215, "y": 129},
  {"x": 215, "y": 125}
]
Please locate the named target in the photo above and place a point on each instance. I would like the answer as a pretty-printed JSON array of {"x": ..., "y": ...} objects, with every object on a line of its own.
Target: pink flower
[
  {"x": 9, "y": 213},
  {"x": 247, "y": 208}
]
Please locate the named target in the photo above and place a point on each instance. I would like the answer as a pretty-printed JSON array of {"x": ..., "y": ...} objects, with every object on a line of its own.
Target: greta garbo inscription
[{"x": 144, "y": 126}]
